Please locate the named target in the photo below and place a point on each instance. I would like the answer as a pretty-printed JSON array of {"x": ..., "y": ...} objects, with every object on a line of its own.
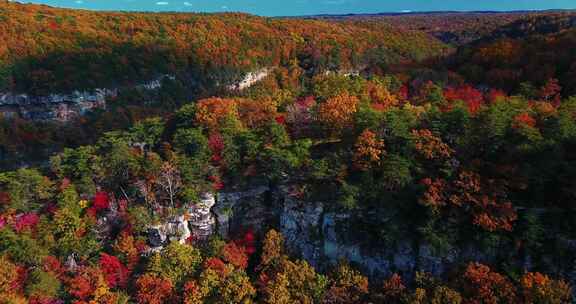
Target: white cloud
[
  {"x": 162, "y": 3},
  {"x": 187, "y": 4}
]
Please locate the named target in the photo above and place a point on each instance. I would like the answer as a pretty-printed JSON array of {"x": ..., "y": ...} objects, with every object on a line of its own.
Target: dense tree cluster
[{"x": 457, "y": 171}]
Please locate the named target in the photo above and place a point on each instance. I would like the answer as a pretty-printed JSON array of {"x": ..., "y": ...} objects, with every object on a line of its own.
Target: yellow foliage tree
[
  {"x": 8, "y": 275},
  {"x": 213, "y": 112},
  {"x": 381, "y": 97}
]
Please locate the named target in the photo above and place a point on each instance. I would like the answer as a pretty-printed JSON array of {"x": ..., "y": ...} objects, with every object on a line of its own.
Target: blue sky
[{"x": 308, "y": 7}]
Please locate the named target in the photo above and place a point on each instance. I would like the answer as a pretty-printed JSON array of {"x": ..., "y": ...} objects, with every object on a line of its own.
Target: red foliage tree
[
  {"x": 4, "y": 198},
  {"x": 115, "y": 273},
  {"x": 551, "y": 91},
  {"x": 393, "y": 289},
  {"x": 216, "y": 144},
  {"x": 217, "y": 265},
  {"x": 52, "y": 264},
  {"x": 101, "y": 201},
  {"x": 80, "y": 287},
  {"x": 25, "y": 222},
  {"x": 217, "y": 183},
  {"x": 248, "y": 242},
  {"x": 523, "y": 120},
  {"x": 469, "y": 95}
]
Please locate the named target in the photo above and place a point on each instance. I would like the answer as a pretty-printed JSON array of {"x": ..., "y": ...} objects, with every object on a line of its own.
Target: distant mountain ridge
[
  {"x": 433, "y": 13},
  {"x": 536, "y": 25}
]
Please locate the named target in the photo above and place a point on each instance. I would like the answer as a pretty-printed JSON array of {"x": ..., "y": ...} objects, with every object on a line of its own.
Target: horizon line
[{"x": 381, "y": 13}]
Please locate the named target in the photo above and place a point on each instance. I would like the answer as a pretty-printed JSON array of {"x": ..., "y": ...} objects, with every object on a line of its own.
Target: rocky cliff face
[
  {"x": 63, "y": 107},
  {"x": 60, "y": 107},
  {"x": 322, "y": 238},
  {"x": 197, "y": 224},
  {"x": 250, "y": 79}
]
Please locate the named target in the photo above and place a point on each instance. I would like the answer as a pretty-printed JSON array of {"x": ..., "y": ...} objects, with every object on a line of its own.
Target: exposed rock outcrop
[
  {"x": 175, "y": 230},
  {"x": 323, "y": 237},
  {"x": 63, "y": 107},
  {"x": 237, "y": 210},
  {"x": 202, "y": 221},
  {"x": 250, "y": 79}
]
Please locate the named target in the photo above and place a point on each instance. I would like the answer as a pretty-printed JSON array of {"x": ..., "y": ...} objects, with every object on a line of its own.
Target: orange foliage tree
[
  {"x": 538, "y": 288},
  {"x": 213, "y": 112},
  {"x": 369, "y": 150},
  {"x": 336, "y": 114},
  {"x": 126, "y": 249},
  {"x": 381, "y": 97},
  {"x": 272, "y": 248},
  {"x": 487, "y": 287},
  {"x": 89, "y": 284},
  {"x": 235, "y": 255},
  {"x": 256, "y": 113},
  {"x": 430, "y": 146},
  {"x": 153, "y": 289},
  {"x": 523, "y": 120},
  {"x": 484, "y": 198},
  {"x": 347, "y": 286},
  {"x": 8, "y": 276}
]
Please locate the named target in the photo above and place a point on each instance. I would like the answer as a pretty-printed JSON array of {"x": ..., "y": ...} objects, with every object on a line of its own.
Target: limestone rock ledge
[{"x": 322, "y": 237}]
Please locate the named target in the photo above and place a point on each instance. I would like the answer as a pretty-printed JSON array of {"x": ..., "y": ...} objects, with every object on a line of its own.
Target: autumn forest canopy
[{"x": 232, "y": 158}]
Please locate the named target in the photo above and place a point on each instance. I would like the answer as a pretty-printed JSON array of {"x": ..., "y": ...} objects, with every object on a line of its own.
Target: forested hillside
[
  {"x": 48, "y": 50},
  {"x": 453, "y": 27},
  {"x": 523, "y": 56},
  {"x": 367, "y": 165}
]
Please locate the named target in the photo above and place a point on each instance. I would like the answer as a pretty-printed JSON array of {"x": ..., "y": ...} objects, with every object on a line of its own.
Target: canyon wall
[
  {"x": 322, "y": 237},
  {"x": 64, "y": 107}
]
